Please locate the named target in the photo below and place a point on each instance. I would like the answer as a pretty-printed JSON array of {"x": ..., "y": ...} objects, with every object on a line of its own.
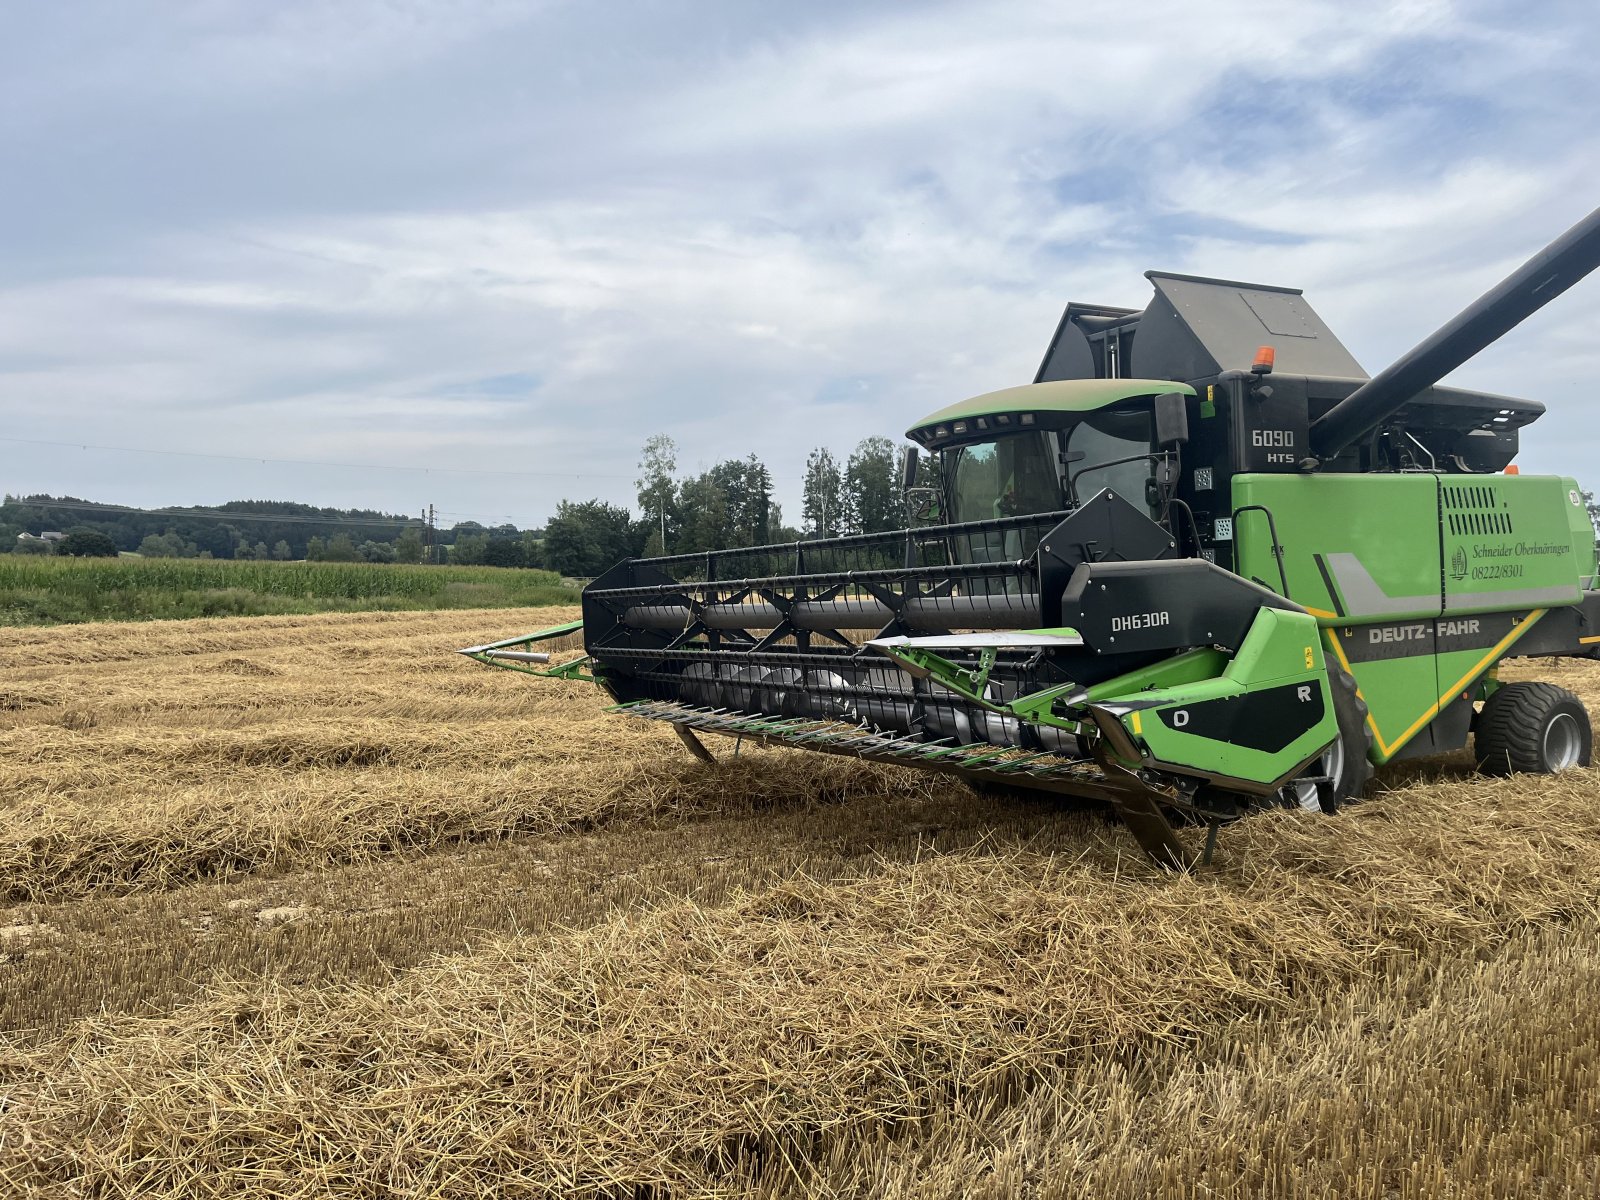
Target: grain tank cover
[{"x": 1196, "y": 327}]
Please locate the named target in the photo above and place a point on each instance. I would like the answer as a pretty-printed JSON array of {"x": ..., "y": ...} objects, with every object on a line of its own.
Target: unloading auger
[{"x": 1201, "y": 564}]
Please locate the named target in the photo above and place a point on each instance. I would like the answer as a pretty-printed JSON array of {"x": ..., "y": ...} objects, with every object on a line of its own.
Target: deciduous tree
[
  {"x": 871, "y": 487},
  {"x": 586, "y": 538},
  {"x": 504, "y": 552},
  {"x": 86, "y": 543},
  {"x": 658, "y": 464},
  {"x": 167, "y": 545},
  {"x": 822, "y": 508},
  {"x": 726, "y": 507},
  {"x": 469, "y": 549},
  {"x": 342, "y": 549},
  {"x": 408, "y": 547}
]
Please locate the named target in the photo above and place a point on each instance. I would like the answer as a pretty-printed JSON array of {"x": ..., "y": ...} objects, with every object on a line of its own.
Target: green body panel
[
  {"x": 1047, "y": 707},
  {"x": 1192, "y": 666},
  {"x": 1413, "y": 559},
  {"x": 1062, "y": 395},
  {"x": 1585, "y": 548},
  {"x": 1377, "y": 535},
  {"x": 1462, "y": 671},
  {"x": 1394, "y": 547},
  {"x": 1281, "y": 648},
  {"x": 1508, "y": 543},
  {"x": 1401, "y": 695}
]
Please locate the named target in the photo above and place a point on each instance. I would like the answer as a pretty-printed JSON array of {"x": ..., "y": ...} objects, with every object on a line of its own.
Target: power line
[{"x": 313, "y": 462}]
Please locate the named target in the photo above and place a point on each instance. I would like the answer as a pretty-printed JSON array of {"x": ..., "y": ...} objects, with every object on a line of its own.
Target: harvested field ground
[{"x": 309, "y": 905}]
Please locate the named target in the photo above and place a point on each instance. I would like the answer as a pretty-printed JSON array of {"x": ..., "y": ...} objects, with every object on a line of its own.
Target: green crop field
[{"x": 47, "y": 591}]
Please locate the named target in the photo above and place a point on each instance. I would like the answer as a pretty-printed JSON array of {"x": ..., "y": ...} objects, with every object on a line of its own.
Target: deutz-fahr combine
[{"x": 1202, "y": 563}]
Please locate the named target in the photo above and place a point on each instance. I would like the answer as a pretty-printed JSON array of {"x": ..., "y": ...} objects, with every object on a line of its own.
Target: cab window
[
  {"x": 1103, "y": 438},
  {"x": 1006, "y": 477}
]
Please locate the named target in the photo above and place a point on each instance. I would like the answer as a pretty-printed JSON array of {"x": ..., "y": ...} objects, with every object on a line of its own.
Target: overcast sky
[{"x": 520, "y": 237}]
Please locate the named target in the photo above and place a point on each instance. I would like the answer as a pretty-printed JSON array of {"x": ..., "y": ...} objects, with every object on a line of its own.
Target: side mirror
[
  {"x": 1172, "y": 420},
  {"x": 908, "y": 469},
  {"x": 922, "y": 506}
]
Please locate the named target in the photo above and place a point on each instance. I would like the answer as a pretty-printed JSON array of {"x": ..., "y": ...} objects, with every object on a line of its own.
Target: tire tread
[
  {"x": 1509, "y": 737},
  {"x": 1352, "y": 708}
]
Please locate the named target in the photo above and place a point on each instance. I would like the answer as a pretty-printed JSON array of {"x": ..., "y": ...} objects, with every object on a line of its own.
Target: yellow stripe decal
[
  {"x": 1338, "y": 652},
  {"x": 1388, "y": 749},
  {"x": 1588, "y": 641},
  {"x": 1137, "y": 730}
]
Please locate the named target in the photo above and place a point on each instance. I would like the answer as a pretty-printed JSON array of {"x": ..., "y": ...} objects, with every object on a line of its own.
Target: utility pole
[{"x": 427, "y": 535}]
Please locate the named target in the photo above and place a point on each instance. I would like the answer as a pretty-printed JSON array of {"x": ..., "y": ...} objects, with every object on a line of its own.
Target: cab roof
[{"x": 1033, "y": 399}]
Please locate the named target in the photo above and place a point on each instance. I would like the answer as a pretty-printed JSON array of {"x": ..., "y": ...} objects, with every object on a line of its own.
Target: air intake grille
[{"x": 1475, "y": 509}]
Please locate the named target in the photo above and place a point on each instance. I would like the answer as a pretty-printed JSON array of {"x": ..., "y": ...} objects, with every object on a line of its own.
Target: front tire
[
  {"x": 1344, "y": 768},
  {"x": 1536, "y": 728}
]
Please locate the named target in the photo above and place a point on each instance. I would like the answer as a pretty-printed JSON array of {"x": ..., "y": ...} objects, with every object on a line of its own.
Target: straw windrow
[{"x": 1396, "y": 1002}]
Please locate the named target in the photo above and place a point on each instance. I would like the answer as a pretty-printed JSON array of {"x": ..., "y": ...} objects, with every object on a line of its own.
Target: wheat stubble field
[{"x": 305, "y": 906}]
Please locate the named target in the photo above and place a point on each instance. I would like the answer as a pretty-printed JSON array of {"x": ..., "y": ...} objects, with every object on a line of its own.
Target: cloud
[{"x": 529, "y": 236}]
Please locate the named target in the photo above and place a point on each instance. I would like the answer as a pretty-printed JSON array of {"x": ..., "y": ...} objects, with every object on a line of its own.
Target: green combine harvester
[{"x": 1202, "y": 564}]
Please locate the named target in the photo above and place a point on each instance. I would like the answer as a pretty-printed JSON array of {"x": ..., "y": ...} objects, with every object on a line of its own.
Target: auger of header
[{"x": 1199, "y": 565}]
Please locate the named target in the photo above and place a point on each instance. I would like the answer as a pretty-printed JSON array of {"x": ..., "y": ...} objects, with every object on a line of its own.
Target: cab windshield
[
  {"x": 1024, "y": 472},
  {"x": 1011, "y": 475}
]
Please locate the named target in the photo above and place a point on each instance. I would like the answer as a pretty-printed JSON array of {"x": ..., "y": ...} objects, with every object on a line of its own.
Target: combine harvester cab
[{"x": 1201, "y": 564}]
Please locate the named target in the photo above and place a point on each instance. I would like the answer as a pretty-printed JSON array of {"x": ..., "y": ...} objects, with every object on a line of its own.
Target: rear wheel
[
  {"x": 1341, "y": 772},
  {"x": 1533, "y": 727}
]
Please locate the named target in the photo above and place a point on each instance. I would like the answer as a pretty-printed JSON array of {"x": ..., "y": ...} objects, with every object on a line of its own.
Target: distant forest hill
[
  {"x": 271, "y": 529},
  {"x": 727, "y": 506}
]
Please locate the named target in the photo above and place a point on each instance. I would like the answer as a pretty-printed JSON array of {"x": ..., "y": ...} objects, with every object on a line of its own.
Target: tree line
[
  {"x": 727, "y": 506},
  {"x": 256, "y": 529},
  {"x": 238, "y": 529}
]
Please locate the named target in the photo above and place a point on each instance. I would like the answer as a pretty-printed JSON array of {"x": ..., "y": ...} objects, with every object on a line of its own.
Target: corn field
[
  {"x": 41, "y": 589},
  {"x": 308, "y": 905}
]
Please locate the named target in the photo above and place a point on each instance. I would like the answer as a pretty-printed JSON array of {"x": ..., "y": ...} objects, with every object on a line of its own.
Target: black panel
[
  {"x": 1270, "y": 423},
  {"x": 1561, "y": 630},
  {"x": 1069, "y": 356},
  {"x": 1477, "y": 632},
  {"x": 1381, "y": 643},
  {"x": 1205, "y": 483},
  {"x": 1445, "y": 635},
  {"x": 1168, "y": 348},
  {"x": 1269, "y": 719},
  {"x": 1077, "y": 348},
  {"x": 1198, "y": 327},
  {"x": 1106, "y": 529},
  {"x": 1171, "y": 605}
]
